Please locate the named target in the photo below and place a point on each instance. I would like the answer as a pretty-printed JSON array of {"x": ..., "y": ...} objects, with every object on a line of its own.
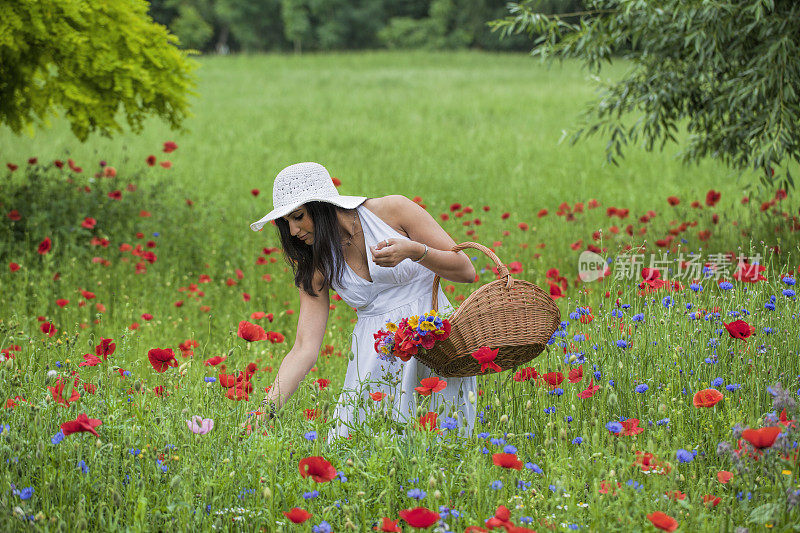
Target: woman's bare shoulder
[{"x": 387, "y": 207}]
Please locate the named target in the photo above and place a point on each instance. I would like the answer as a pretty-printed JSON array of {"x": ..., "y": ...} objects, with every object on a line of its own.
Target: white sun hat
[{"x": 300, "y": 183}]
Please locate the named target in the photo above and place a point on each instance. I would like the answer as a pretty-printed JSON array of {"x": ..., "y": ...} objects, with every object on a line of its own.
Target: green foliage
[
  {"x": 727, "y": 71},
  {"x": 254, "y": 25},
  {"x": 190, "y": 27},
  {"x": 297, "y": 27},
  {"x": 89, "y": 60}
]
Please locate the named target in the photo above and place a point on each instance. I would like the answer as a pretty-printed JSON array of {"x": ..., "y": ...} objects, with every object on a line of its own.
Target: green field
[{"x": 477, "y": 129}]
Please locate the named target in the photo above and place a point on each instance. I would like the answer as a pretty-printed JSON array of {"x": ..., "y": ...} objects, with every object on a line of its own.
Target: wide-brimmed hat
[{"x": 300, "y": 183}]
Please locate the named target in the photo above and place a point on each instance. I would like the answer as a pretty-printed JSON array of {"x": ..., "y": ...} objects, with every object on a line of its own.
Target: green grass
[{"x": 476, "y": 129}]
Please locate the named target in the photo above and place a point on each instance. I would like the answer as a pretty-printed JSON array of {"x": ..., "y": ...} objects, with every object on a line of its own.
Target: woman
[{"x": 380, "y": 255}]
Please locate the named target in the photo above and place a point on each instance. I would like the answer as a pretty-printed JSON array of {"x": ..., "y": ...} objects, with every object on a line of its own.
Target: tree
[
  {"x": 89, "y": 60},
  {"x": 296, "y": 24},
  {"x": 726, "y": 70}
]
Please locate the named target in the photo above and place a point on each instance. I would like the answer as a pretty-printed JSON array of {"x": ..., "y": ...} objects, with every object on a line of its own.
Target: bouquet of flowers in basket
[{"x": 402, "y": 340}]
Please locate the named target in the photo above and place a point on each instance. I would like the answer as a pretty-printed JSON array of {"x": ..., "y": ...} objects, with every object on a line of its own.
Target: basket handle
[{"x": 502, "y": 269}]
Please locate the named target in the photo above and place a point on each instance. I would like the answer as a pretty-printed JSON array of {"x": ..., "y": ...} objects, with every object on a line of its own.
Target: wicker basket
[{"x": 513, "y": 315}]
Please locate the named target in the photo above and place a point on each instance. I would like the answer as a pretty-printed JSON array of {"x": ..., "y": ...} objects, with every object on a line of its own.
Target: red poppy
[
  {"x": 90, "y": 360},
  {"x": 707, "y": 398},
  {"x": 542, "y": 213},
  {"x": 61, "y": 302},
  {"x": 419, "y": 517},
  {"x": 297, "y": 515},
  {"x": 724, "y": 476},
  {"x": 507, "y": 460},
  {"x": 214, "y": 361},
  {"x": 555, "y": 291},
  {"x": 274, "y": 337},
  {"x": 428, "y": 422},
  {"x": 115, "y": 195},
  {"x": 159, "y": 391},
  {"x": 739, "y": 329},
  {"x": 486, "y": 356},
  {"x": 166, "y": 164},
  {"x": 651, "y": 274},
  {"x": 749, "y": 273},
  {"x": 575, "y": 375},
  {"x": 675, "y": 495},
  {"x": 673, "y": 200},
  {"x": 147, "y": 316},
  {"x": 239, "y": 392},
  {"x": 525, "y": 374},
  {"x": 377, "y": 396},
  {"x": 710, "y": 500},
  {"x": 553, "y": 379},
  {"x": 712, "y": 197},
  {"x": 631, "y": 427},
  {"x": 255, "y": 192},
  {"x": 784, "y": 421},
  {"x": 761, "y": 438},
  {"x": 91, "y": 388},
  {"x": 105, "y": 348},
  {"x": 251, "y": 332},
  {"x": 48, "y": 328},
  {"x": 648, "y": 462},
  {"x": 318, "y": 468},
  {"x": 162, "y": 359},
  {"x": 170, "y": 146},
  {"x": 430, "y": 385},
  {"x": 663, "y": 521},
  {"x": 322, "y": 383},
  {"x": 311, "y": 414},
  {"x": 501, "y": 519},
  {"x": 88, "y": 223},
  {"x": 58, "y": 394},
  {"x": 13, "y": 266},
  {"x": 388, "y": 526},
  {"x": 590, "y": 390},
  {"x": 606, "y": 487},
  {"x": 82, "y": 423},
  {"x": 45, "y": 246}
]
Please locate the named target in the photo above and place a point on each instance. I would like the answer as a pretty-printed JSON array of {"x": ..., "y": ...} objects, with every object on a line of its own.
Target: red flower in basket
[{"x": 486, "y": 356}]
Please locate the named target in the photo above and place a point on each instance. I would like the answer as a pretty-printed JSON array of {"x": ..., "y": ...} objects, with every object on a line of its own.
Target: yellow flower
[
  {"x": 391, "y": 327},
  {"x": 413, "y": 322},
  {"x": 427, "y": 326},
  {"x": 787, "y": 472}
]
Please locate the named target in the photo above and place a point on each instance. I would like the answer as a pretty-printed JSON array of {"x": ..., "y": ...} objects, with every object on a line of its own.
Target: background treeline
[{"x": 281, "y": 25}]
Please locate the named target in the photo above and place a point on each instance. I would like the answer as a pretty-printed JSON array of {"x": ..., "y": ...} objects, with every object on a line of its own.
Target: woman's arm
[
  {"x": 311, "y": 323},
  {"x": 423, "y": 230}
]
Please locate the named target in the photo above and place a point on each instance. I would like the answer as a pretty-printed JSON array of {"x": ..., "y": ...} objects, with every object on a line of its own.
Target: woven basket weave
[{"x": 513, "y": 315}]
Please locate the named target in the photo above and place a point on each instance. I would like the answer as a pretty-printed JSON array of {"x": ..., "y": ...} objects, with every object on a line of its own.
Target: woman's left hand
[{"x": 390, "y": 252}]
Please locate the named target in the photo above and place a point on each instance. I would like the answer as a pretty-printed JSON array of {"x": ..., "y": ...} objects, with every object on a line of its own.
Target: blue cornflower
[
  {"x": 733, "y": 387},
  {"x": 688, "y": 307},
  {"x": 524, "y": 485},
  {"x": 684, "y": 456},
  {"x": 597, "y": 375},
  {"x": 717, "y": 382},
  {"x": 549, "y": 410},
  {"x": 526, "y": 519},
  {"x": 580, "y": 337},
  {"x": 322, "y": 527},
  {"x": 663, "y": 422},
  {"x": 135, "y": 452},
  {"x": 58, "y": 364},
  {"x": 558, "y": 392},
  {"x": 616, "y": 313},
  {"x": 726, "y": 285},
  {"x": 311, "y": 435},
  {"x": 610, "y": 382},
  {"x": 638, "y": 317},
  {"x": 126, "y": 373},
  {"x": 497, "y": 441},
  {"x": 417, "y": 494},
  {"x": 577, "y": 440},
  {"x": 642, "y": 388},
  {"x": 789, "y": 293},
  {"x": 788, "y": 280},
  {"x": 484, "y": 435},
  {"x": 769, "y": 331},
  {"x": 26, "y": 493},
  {"x": 614, "y": 427},
  {"x": 625, "y": 306},
  {"x": 310, "y": 495},
  {"x": 534, "y": 467},
  {"x": 667, "y": 302},
  {"x": 210, "y": 379},
  {"x": 83, "y": 467},
  {"x": 156, "y": 234},
  {"x": 341, "y": 476},
  {"x": 497, "y": 485},
  {"x": 449, "y": 423},
  {"x": 635, "y": 484},
  {"x": 510, "y": 449},
  {"x": 57, "y": 438},
  {"x": 568, "y": 419},
  {"x": 486, "y": 451},
  {"x": 695, "y": 287},
  {"x": 622, "y": 344}
]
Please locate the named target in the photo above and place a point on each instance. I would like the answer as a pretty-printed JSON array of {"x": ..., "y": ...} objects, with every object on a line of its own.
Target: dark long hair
[{"x": 325, "y": 253}]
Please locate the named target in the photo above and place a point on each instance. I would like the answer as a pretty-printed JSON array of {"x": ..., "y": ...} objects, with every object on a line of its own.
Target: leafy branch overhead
[
  {"x": 89, "y": 60},
  {"x": 726, "y": 71}
]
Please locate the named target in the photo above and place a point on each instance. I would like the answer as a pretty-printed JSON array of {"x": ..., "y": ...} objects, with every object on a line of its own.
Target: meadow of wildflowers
[{"x": 138, "y": 331}]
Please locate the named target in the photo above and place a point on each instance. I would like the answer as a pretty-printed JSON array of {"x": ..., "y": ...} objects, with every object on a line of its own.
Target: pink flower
[{"x": 199, "y": 425}]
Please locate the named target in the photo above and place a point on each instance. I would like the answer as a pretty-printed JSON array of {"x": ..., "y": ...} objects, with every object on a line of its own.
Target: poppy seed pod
[
  {"x": 266, "y": 493},
  {"x": 137, "y": 385},
  {"x": 431, "y": 482},
  {"x": 437, "y": 495},
  {"x": 504, "y": 419},
  {"x": 529, "y": 404},
  {"x": 496, "y": 401},
  {"x": 471, "y": 397}
]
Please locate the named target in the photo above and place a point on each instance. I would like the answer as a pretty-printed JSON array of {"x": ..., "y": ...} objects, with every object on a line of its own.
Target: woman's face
[{"x": 300, "y": 225}]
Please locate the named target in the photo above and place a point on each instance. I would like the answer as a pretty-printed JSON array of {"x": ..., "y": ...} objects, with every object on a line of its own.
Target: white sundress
[{"x": 395, "y": 292}]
